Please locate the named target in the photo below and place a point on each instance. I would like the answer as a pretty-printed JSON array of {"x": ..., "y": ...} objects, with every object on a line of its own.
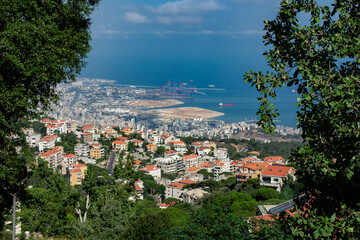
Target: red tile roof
[
  {"x": 187, "y": 181},
  {"x": 74, "y": 170},
  {"x": 50, "y": 152},
  {"x": 48, "y": 138},
  {"x": 176, "y": 185},
  {"x": 191, "y": 156},
  {"x": 149, "y": 168},
  {"x": 274, "y": 158},
  {"x": 278, "y": 171},
  {"x": 70, "y": 155},
  {"x": 118, "y": 142}
]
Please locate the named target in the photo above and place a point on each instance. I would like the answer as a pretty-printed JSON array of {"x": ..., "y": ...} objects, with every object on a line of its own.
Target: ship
[
  {"x": 226, "y": 104},
  {"x": 211, "y": 86}
]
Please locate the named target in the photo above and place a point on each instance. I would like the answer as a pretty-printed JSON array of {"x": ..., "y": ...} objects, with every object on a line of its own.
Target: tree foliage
[
  {"x": 42, "y": 43},
  {"x": 315, "y": 49}
]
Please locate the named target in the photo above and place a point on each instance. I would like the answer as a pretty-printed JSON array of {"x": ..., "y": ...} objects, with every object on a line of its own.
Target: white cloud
[
  {"x": 178, "y": 19},
  {"x": 187, "y": 7},
  {"x": 135, "y": 17}
]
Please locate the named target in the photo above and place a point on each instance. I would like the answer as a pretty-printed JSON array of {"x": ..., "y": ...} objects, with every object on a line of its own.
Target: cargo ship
[{"x": 226, "y": 104}]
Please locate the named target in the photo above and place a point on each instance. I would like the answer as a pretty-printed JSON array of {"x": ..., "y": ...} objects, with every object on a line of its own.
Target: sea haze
[{"x": 206, "y": 61}]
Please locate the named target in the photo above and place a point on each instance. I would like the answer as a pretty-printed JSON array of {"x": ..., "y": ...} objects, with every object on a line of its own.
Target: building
[
  {"x": 251, "y": 170},
  {"x": 152, "y": 170},
  {"x": 96, "y": 153},
  {"x": 53, "y": 157},
  {"x": 119, "y": 145},
  {"x": 87, "y": 137},
  {"x": 192, "y": 195},
  {"x": 192, "y": 160},
  {"x": 47, "y": 142},
  {"x": 33, "y": 139},
  {"x": 274, "y": 176},
  {"x": 221, "y": 153},
  {"x": 171, "y": 165},
  {"x": 151, "y": 147},
  {"x": 70, "y": 158},
  {"x": 175, "y": 189},
  {"x": 74, "y": 175},
  {"x": 82, "y": 149}
]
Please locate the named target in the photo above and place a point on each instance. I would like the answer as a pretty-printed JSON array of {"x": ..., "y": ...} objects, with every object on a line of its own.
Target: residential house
[
  {"x": 251, "y": 170},
  {"x": 274, "y": 176},
  {"x": 151, "y": 170},
  {"x": 151, "y": 147},
  {"x": 175, "y": 189},
  {"x": 119, "y": 145},
  {"x": 221, "y": 153}
]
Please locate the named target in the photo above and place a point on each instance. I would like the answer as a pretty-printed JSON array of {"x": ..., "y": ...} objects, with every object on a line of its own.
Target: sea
[{"x": 156, "y": 64}]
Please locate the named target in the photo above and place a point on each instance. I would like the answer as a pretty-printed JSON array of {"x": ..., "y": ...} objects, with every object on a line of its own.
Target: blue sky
[
  {"x": 148, "y": 42},
  {"x": 133, "y": 39},
  {"x": 173, "y": 19}
]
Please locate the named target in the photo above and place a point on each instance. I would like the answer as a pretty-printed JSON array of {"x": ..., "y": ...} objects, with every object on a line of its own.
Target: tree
[
  {"x": 264, "y": 193},
  {"x": 320, "y": 59},
  {"x": 41, "y": 45}
]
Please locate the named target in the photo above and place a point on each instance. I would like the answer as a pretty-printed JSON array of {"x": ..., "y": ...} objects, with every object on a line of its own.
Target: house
[
  {"x": 151, "y": 147},
  {"x": 82, "y": 149},
  {"x": 47, "y": 142},
  {"x": 122, "y": 138},
  {"x": 110, "y": 133},
  {"x": 170, "y": 153},
  {"x": 251, "y": 170},
  {"x": 175, "y": 189},
  {"x": 70, "y": 158},
  {"x": 274, "y": 176},
  {"x": 177, "y": 144},
  {"x": 89, "y": 129},
  {"x": 275, "y": 160},
  {"x": 74, "y": 175},
  {"x": 126, "y": 131},
  {"x": 83, "y": 169},
  {"x": 221, "y": 153},
  {"x": 139, "y": 185},
  {"x": 192, "y": 160},
  {"x": 33, "y": 139},
  {"x": 119, "y": 145},
  {"x": 138, "y": 143},
  {"x": 192, "y": 195},
  {"x": 152, "y": 170},
  {"x": 87, "y": 137},
  {"x": 97, "y": 153},
  {"x": 53, "y": 157}
]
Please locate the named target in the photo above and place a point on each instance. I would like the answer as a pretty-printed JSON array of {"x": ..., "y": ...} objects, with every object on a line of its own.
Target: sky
[
  {"x": 212, "y": 42},
  {"x": 133, "y": 38}
]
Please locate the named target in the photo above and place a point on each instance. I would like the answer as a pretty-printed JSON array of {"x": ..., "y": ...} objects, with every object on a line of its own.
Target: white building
[
  {"x": 152, "y": 170},
  {"x": 221, "y": 153},
  {"x": 47, "y": 142}
]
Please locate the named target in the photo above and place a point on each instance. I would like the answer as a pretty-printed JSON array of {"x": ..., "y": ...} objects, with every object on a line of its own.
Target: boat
[
  {"x": 211, "y": 86},
  {"x": 226, "y": 104}
]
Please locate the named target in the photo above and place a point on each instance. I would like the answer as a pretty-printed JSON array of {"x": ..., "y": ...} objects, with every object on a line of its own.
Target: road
[{"x": 111, "y": 164}]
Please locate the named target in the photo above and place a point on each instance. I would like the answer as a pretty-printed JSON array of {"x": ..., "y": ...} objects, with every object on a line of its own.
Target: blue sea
[{"x": 204, "y": 62}]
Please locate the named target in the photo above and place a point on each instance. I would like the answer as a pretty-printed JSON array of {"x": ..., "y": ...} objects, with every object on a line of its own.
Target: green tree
[
  {"x": 41, "y": 45},
  {"x": 318, "y": 55},
  {"x": 264, "y": 193}
]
